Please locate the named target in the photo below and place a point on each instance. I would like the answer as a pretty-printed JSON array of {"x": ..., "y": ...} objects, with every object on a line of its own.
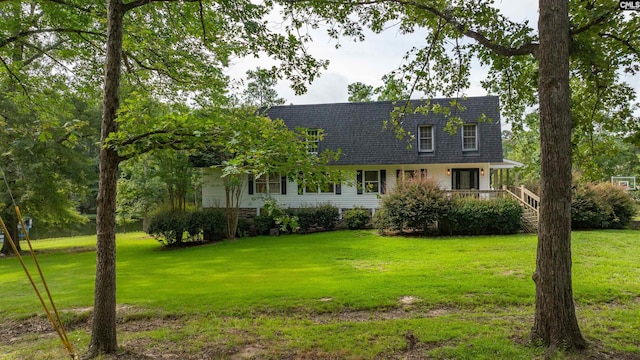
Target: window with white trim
[
  {"x": 322, "y": 188},
  {"x": 371, "y": 181},
  {"x": 314, "y": 140},
  {"x": 469, "y": 137},
  {"x": 425, "y": 138},
  {"x": 411, "y": 174},
  {"x": 269, "y": 184}
]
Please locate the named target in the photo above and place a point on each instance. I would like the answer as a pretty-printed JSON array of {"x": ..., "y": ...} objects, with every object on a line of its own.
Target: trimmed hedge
[
  {"x": 323, "y": 216},
  {"x": 472, "y": 216},
  {"x": 169, "y": 227}
]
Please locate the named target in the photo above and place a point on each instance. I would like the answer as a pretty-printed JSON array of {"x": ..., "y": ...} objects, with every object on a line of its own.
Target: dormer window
[
  {"x": 469, "y": 137},
  {"x": 425, "y": 138},
  {"x": 314, "y": 140}
]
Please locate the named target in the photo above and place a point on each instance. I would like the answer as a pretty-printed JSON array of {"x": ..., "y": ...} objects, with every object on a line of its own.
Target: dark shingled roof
[{"x": 357, "y": 129}]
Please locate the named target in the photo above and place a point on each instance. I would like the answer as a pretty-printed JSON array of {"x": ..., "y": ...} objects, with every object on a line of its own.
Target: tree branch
[
  {"x": 598, "y": 20},
  {"x": 62, "y": 2},
  {"x": 525, "y": 49},
  {"x": 45, "y": 53},
  {"x": 139, "y": 3},
  {"x": 158, "y": 70},
  {"x": 13, "y": 75},
  {"x": 626, "y": 42},
  {"x": 39, "y": 52},
  {"x": 26, "y": 33}
]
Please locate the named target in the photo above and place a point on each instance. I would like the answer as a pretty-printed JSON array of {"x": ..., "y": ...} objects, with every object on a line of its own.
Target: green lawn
[{"x": 329, "y": 295}]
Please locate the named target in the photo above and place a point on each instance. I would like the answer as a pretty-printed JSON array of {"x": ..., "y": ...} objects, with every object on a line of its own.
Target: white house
[{"x": 376, "y": 157}]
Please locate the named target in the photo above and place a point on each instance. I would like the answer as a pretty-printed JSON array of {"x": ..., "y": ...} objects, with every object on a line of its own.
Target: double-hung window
[
  {"x": 371, "y": 181},
  {"x": 321, "y": 188},
  {"x": 469, "y": 137},
  {"x": 425, "y": 138},
  {"x": 314, "y": 140},
  {"x": 270, "y": 183}
]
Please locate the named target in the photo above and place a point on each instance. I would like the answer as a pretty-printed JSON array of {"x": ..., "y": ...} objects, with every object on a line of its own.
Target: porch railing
[
  {"x": 479, "y": 194},
  {"x": 531, "y": 205}
]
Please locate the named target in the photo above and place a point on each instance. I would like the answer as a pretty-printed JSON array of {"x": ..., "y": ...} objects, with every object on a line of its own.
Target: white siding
[{"x": 213, "y": 194}]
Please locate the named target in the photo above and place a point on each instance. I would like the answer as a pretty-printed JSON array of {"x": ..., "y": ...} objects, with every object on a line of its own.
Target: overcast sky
[{"x": 378, "y": 55}]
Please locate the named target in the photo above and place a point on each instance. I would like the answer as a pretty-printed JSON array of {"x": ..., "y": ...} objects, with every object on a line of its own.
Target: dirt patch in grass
[
  {"x": 62, "y": 250},
  {"x": 134, "y": 322},
  {"x": 130, "y": 319}
]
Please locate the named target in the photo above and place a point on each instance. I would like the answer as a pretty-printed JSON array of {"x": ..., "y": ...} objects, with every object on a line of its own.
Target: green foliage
[
  {"x": 414, "y": 204},
  {"x": 168, "y": 227},
  {"x": 244, "y": 228},
  {"x": 601, "y": 206},
  {"x": 140, "y": 188},
  {"x": 208, "y": 224},
  {"x": 356, "y": 218},
  {"x": 381, "y": 221},
  {"x": 260, "y": 92},
  {"x": 263, "y": 224},
  {"x": 394, "y": 89},
  {"x": 323, "y": 216},
  {"x": 327, "y": 216},
  {"x": 285, "y": 220},
  {"x": 360, "y": 92},
  {"x": 473, "y": 216},
  {"x": 306, "y": 218}
]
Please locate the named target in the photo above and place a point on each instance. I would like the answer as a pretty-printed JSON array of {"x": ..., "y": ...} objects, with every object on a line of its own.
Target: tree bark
[
  {"x": 11, "y": 222},
  {"x": 103, "y": 332},
  {"x": 555, "y": 322}
]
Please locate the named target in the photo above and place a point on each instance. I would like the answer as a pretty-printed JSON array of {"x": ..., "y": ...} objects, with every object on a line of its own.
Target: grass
[{"x": 330, "y": 295}]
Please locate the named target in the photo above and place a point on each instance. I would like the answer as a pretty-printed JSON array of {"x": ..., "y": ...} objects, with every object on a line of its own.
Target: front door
[{"x": 465, "y": 179}]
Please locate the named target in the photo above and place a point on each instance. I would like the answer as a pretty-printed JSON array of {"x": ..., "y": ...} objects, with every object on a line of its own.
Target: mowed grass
[{"x": 340, "y": 294}]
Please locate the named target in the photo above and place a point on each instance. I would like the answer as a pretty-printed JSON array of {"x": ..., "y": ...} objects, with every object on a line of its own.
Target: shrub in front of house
[
  {"x": 306, "y": 218},
  {"x": 473, "y": 216},
  {"x": 381, "y": 221},
  {"x": 356, "y": 218},
  {"x": 601, "y": 206},
  {"x": 323, "y": 216},
  {"x": 168, "y": 227},
  {"x": 327, "y": 216},
  {"x": 213, "y": 224},
  {"x": 414, "y": 204},
  {"x": 207, "y": 224},
  {"x": 263, "y": 224}
]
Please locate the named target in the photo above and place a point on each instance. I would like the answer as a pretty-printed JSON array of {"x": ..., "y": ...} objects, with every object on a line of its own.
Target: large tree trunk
[
  {"x": 11, "y": 222},
  {"x": 103, "y": 332},
  {"x": 555, "y": 321}
]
